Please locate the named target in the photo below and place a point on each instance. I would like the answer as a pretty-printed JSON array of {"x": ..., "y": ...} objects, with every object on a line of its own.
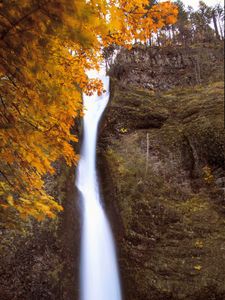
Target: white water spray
[{"x": 99, "y": 273}]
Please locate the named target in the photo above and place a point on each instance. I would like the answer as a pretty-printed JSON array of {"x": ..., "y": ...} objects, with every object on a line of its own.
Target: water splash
[{"x": 99, "y": 273}]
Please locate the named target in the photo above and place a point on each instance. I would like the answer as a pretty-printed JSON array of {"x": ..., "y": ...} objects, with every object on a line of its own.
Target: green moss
[{"x": 172, "y": 247}]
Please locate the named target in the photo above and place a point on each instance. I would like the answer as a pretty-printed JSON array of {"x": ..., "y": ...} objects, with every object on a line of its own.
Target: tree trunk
[
  {"x": 158, "y": 41},
  {"x": 221, "y": 29},
  {"x": 215, "y": 25}
]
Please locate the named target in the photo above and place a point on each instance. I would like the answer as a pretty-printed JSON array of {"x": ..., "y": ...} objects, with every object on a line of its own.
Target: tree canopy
[
  {"x": 203, "y": 25},
  {"x": 41, "y": 83}
]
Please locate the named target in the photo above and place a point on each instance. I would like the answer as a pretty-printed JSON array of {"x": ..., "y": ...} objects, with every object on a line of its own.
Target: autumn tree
[
  {"x": 193, "y": 26},
  {"x": 41, "y": 83}
]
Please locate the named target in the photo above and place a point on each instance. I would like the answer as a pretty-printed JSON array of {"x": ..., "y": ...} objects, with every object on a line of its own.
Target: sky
[{"x": 194, "y": 3}]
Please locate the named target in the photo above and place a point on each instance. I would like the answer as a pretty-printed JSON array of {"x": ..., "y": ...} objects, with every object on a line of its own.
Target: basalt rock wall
[
  {"x": 162, "y": 68},
  {"x": 161, "y": 161}
]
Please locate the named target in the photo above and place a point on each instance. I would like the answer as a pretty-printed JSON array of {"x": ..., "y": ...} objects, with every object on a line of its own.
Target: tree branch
[
  {"x": 4, "y": 34},
  {"x": 6, "y": 178}
]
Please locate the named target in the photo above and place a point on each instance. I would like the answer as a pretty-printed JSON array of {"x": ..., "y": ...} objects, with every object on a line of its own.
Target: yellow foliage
[
  {"x": 199, "y": 244},
  {"x": 123, "y": 130},
  {"x": 207, "y": 174},
  {"x": 45, "y": 49},
  {"x": 197, "y": 267}
]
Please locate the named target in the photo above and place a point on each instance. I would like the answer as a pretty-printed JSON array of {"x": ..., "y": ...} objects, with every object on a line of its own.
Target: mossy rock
[{"x": 171, "y": 240}]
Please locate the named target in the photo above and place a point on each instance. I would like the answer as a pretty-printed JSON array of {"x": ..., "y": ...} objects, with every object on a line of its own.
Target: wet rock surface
[
  {"x": 161, "y": 164},
  {"x": 40, "y": 260},
  {"x": 165, "y": 194}
]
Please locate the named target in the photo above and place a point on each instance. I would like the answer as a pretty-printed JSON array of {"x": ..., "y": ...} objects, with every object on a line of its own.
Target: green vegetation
[{"x": 171, "y": 209}]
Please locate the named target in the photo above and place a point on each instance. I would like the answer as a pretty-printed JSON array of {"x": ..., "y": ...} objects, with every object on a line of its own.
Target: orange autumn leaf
[{"x": 45, "y": 50}]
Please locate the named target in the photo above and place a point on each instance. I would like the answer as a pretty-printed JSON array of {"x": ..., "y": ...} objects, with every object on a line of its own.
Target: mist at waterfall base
[{"x": 99, "y": 272}]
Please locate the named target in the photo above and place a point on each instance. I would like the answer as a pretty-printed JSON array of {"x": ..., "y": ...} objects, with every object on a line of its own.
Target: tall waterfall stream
[{"x": 99, "y": 273}]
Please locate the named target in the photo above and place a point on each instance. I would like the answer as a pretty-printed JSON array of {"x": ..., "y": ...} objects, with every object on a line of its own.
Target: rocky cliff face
[
  {"x": 40, "y": 260},
  {"x": 158, "y": 68},
  {"x": 162, "y": 165}
]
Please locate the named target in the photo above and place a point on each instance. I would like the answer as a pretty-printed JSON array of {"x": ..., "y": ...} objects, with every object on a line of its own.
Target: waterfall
[{"x": 99, "y": 273}]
